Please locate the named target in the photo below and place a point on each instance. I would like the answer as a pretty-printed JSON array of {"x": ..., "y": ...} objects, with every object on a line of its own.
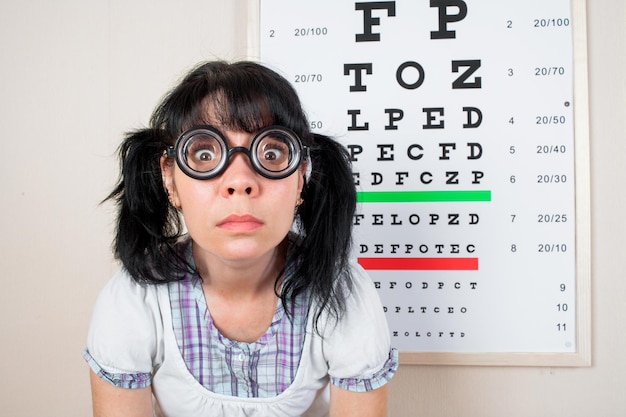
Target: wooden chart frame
[{"x": 582, "y": 357}]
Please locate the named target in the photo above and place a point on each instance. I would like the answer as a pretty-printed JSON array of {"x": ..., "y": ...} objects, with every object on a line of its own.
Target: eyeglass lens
[
  {"x": 203, "y": 152},
  {"x": 274, "y": 151}
]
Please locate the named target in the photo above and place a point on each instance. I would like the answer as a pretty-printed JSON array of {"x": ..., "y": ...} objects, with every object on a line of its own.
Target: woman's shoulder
[
  {"x": 125, "y": 302},
  {"x": 122, "y": 289},
  {"x": 124, "y": 305},
  {"x": 126, "y": 324},
  {"x": 357, "y": 343}
]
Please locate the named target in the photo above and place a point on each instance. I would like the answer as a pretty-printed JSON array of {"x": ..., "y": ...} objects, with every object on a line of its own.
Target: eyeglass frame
[{"x": 178, "y": 152}]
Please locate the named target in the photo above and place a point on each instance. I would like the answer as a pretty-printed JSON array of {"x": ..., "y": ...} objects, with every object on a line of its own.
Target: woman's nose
[
  {"x": 239, "y": 176},
  {"x": 247, "y": 190}
]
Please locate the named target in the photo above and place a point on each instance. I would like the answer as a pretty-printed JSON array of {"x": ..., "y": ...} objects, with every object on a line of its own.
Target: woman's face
[{"x": 238, "y": 215}]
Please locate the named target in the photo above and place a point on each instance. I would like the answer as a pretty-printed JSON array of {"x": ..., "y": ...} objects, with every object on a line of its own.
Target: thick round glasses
[{"x": 202, "y": 152}]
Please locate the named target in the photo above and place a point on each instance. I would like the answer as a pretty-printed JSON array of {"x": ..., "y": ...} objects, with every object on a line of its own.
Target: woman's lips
[{"x": 240, "y": 223}]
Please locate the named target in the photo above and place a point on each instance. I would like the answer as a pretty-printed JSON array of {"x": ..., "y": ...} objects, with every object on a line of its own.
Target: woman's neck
[
  {"x": 241, "y": 278},
  {"x": 241, "y": 296}
]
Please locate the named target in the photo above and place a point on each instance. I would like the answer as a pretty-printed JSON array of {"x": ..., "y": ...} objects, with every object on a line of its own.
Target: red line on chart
[{"x": 419, "y": 264}]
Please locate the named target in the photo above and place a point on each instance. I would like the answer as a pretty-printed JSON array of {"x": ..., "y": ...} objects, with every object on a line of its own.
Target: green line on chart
[{"x": 422, "y": 196}]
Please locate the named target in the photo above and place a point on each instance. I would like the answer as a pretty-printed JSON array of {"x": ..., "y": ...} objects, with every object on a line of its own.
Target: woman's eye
[
  {"x": 204, "y": 155},
  {"x": 272, "y": 154},
  {"x": 203, "y": 150}
]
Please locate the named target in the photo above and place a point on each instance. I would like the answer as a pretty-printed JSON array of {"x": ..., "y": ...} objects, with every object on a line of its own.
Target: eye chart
[{"x": 466, "y": 126}]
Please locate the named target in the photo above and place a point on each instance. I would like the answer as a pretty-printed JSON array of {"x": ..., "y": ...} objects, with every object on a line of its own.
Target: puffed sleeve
[
  {"x": 124, "y": 344},
  {"x": 358, "y": 348}
]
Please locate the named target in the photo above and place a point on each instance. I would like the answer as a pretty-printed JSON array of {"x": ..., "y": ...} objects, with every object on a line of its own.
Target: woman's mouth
[{"x": 240, "y": 223}]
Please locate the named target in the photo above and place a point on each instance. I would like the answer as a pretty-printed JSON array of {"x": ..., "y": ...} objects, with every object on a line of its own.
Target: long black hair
[{"x": 243, "y": 96}]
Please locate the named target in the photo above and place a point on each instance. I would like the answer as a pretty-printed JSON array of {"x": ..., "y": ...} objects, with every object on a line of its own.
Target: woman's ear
[{"x": 167, "y": 175}]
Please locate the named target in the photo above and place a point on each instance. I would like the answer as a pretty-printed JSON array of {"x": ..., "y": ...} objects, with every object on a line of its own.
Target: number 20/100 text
[{"x": 319, "y": 31}]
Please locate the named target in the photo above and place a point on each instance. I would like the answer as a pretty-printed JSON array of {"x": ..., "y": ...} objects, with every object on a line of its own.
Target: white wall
[{"x": 76, "y": 74}]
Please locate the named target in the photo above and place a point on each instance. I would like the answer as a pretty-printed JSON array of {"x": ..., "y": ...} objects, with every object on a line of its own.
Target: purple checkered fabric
[{"x": 262, "y": 369}]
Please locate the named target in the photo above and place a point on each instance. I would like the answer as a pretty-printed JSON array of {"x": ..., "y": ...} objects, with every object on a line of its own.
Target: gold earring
[
  {"x": 299, "y": 201},
  {"x": 172, "y": 202}
]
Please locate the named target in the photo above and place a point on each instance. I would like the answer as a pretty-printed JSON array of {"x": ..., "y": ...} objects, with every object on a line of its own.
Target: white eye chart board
[{"x": 467, "y": 126}]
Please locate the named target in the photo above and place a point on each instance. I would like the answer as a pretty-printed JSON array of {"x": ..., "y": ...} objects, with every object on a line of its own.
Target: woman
[{"x": 236, "y": 296}]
